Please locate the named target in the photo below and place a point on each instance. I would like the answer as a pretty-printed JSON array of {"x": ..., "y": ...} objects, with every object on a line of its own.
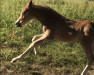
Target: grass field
[{"x": 62, "y": 58}]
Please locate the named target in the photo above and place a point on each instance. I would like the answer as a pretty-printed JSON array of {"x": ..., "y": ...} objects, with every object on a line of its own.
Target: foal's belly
[{"x": 67, "y": 37}]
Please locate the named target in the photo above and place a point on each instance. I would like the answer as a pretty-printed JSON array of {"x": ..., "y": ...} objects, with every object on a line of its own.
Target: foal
[{"x": 57, "y": 27}]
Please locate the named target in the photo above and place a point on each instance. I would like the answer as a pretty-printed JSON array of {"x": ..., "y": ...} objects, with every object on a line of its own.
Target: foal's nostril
[{"x": 18, "y": 24}]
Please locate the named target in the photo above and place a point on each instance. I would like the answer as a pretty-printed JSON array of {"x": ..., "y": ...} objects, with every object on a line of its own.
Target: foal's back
[{"x": 74, "y": 31}]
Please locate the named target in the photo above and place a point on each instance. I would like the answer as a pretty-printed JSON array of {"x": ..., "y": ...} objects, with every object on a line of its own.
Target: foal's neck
[
  {"x": 47, "y": 16},
  {"x": 38, "y": 13}
]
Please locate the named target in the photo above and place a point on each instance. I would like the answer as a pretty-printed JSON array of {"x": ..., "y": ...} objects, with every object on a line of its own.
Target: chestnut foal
[{"x": 57, "y": 27}]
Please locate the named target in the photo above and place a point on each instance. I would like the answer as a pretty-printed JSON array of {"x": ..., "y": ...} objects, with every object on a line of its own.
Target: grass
[{"x": 62, "y": 58}]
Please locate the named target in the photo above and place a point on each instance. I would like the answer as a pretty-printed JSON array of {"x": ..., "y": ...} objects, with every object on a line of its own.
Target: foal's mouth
[{"x": 18, "y": 24}]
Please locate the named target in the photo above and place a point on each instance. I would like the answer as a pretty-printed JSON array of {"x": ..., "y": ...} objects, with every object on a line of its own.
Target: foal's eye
[{"x": 24, "y": 13}]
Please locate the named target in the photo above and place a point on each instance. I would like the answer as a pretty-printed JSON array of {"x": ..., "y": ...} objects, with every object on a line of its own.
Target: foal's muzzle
[{"x": 18, "y": 24}]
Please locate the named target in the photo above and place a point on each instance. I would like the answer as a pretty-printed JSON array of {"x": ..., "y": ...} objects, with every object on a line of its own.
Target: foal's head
[{"x": 25, "y": 15}]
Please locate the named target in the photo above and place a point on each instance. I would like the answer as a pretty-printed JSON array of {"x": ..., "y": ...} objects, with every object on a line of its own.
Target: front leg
[
  {"x": 36, "y": 51},
  {"x": 32, "y": 45}
]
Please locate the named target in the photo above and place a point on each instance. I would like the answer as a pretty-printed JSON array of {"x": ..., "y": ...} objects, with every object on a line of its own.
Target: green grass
[{"x": 62, "y": 58}]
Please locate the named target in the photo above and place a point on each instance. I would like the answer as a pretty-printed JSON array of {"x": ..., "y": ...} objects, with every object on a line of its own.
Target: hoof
[{"x": 14, "y": 59}]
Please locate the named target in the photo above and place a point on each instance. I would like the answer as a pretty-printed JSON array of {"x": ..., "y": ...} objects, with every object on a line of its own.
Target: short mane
[{"x": 50, "y": 14}]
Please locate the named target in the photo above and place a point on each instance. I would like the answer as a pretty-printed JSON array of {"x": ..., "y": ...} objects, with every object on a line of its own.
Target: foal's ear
[{"x": 31, "y": 3}]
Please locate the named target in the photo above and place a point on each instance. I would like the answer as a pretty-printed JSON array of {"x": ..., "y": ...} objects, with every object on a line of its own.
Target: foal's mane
[{"x": 49, "y": 12}]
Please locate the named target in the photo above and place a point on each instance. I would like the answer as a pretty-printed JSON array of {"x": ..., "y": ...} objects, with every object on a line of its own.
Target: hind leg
[
  {"x": 87, "y": 67},
  {"x": 87, "y": 49},
  {"x": 92, "y": 48},
  {"x": 36, "y": 51}
]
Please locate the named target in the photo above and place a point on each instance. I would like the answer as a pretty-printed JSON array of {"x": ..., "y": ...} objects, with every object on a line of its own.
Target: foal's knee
[
  {"x": 90, "y": 62},
  {"x": 34, "y": 38}
]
